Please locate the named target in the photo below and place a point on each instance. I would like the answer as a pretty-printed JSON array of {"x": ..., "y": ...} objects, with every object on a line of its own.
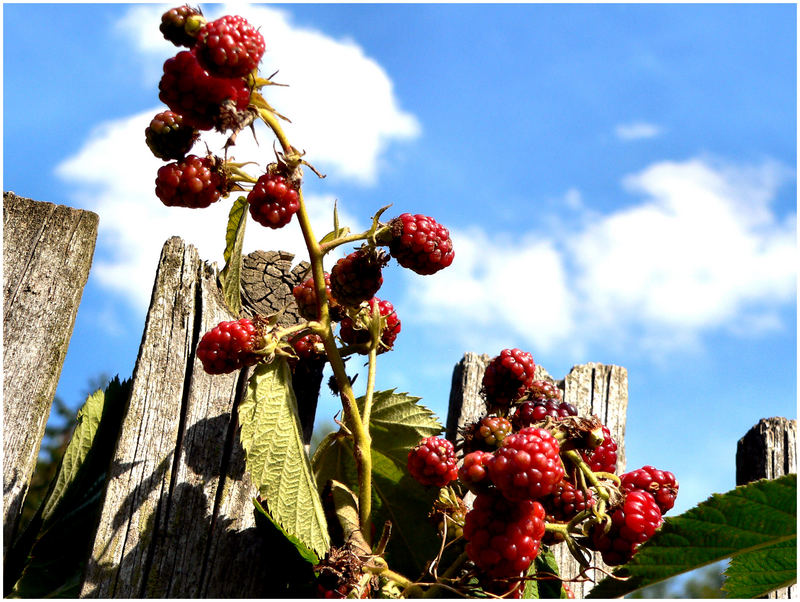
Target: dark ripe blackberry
[
  {"x": 173, "y": 25},
  {"x": 531, "y": 412},
  {"x": 168, "y": 137},
  {"x": 352, "y": 335}
]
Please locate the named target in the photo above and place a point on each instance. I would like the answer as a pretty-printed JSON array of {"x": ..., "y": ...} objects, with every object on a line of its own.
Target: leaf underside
[
  {"x": 276, "y": 458},
  {"x": 754, "y": 525},
  {"x": 230, "y": 275}
]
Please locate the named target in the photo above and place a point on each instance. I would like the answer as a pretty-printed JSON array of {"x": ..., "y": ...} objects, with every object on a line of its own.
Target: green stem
[
  {"x": 361, "y": 438},
  {"x": 448, "y": 574},
  {"x": 576, "y": 459}
]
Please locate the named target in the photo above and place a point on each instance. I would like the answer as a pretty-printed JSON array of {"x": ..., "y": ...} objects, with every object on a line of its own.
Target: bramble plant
[{"x": 539, "y": 474}]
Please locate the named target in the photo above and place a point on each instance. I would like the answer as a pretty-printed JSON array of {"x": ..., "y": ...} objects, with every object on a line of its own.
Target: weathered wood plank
[
  {"x": 47, "y": 254},
  {"x": 178, "y": 518},
  {"x": 768, "y": 451},
  {"x": 592, "y": 388}
]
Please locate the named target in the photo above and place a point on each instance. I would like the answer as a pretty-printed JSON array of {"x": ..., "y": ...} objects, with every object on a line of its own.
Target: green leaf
[
  {"x": 276, "y": 458},
  {"x": 742, "y": 524},
  {"x": 547, "y": 583},
  {"x": 306, "y": 552},
  {"x": 234, "y": 238},
  {"x": 398, "y": 422},
  {"x": 79, "y": 445},
  {"x": 50, "y": 557},
  {"x": 755, "y": 574}
]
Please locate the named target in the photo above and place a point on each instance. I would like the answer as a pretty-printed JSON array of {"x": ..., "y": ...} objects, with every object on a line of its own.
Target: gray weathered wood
[
  {"x": 267, "y": 281},
  {"x": 47, "y": 253},
  {"x": 768, "y": 451},
  {"x": 177, "y": 518},
  {"x": 592, "y": 388}
]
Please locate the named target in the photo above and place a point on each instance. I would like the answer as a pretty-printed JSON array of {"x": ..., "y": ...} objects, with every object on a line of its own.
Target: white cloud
[
  {"x": 637, "y": 130},
  {"x": 341, "y": 103},
  {"x": 344, "y": 113},
  {"x": 702, "y": 249}
]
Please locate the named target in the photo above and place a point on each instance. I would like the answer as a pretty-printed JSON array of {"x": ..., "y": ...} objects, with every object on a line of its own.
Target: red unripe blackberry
[
  {"x": 308, "y": 346},
  {"x": 633, "y": 522},
  {"x": 542, "y": 390},
  {"x": 503, "y": 536},
  {"x": 168, "y": 137},
  {"x": 273, "y": 201},
  {"x": 433, "y": 462},
  {"x": 173, "y": 25},
  {"x": 473, "y": 471},
  {"x": 191, "y": 91},
  {"x": 570, "y": 594},
  {"x": 193, "y": 182},
  {"x": 420, "y": 243},
  {"x": 603, "y": 458},
  {"x": 661, "y": 484},
  {"x": 229, "y": 347},
  {"x": 355, "y": 336},
  {"x": 306, "y": 298},
  {"x": 487, "y": 434},
  {"x": 229, "y": 46},
  {"x": 357, "y": 277},
  {"x": 527, "y": 466},
  {"x": 507, "y": 376}
]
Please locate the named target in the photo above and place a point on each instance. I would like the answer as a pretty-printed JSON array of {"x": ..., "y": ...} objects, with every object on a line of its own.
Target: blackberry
[
  {"x": 174, "y": 25},
  {"x": 229, "y": 47},
  {"x": 603, "y": 458},
  {"x": 661, "y": 484},
  {"x": 487, "y": 434},
  {"x": 527, "y": 466},
  {"x": 273, "y": 201},
  {"x": 420, "y": 244},
  {"x": 353, "y": 335},
  {"x": 191, "y": 182},
  {"x": 633, "y": 522},
  {"x": 529, "y": 413},
  {"x": 433, "y": 462},
  {"x": 229, "y": 346},
  {"x": 503, "y": 537},
  {"x": 507, "y": 377},
  {"x": 357, "y": 277},
  {"x": 168, "y": 137},
  {"x": 306, "y": 299},
  {"x": 189, "y": 90},
  {"x": 474, "y": 472}
]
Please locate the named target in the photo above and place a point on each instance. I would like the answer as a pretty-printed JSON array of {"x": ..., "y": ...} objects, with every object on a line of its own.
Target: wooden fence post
[
  {"x": 768, "y": 451},
  {"x": 592, "y": 388},
  {"x": 177, "y": 517},
  {"x": 47, "y": 253}
]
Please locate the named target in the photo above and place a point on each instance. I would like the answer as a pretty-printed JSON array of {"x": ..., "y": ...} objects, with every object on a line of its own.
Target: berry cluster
[{"x": 542, "y": 473}]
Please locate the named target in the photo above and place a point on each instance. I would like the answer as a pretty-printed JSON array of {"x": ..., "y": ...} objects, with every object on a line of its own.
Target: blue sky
[{"x": 619, "y": 181}]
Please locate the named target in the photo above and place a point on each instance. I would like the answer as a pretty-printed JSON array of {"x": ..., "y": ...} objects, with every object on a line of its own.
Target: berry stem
[
  {"x": 362, "y": 441},
  {"x": 577, "y": 460},
  {"x": 448, "y": 574},
  {"x": 370, "y": 235}
]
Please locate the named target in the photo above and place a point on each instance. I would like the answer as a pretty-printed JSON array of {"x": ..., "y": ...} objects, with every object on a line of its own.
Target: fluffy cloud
[
  {"x": 333, "y": 85},
  {"x": 701, "y": 249},
  {"x": 637, "y": 130}
]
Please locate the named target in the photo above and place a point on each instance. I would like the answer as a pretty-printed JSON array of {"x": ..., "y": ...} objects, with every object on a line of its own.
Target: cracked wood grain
[{"x": 47, "y": 254}]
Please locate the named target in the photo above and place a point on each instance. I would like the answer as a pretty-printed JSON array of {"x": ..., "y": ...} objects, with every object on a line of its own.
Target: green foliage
[
  {"x": 276, "y": 459},
  {"x": 234, "y": 239},
  {"x": 305, "y": 552},
  {"x": 48, "y": 560},
  {"x": 754, "y": 525},
  {"x": 543, "y": 576},
  {"x": 397, "y": 424}
]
